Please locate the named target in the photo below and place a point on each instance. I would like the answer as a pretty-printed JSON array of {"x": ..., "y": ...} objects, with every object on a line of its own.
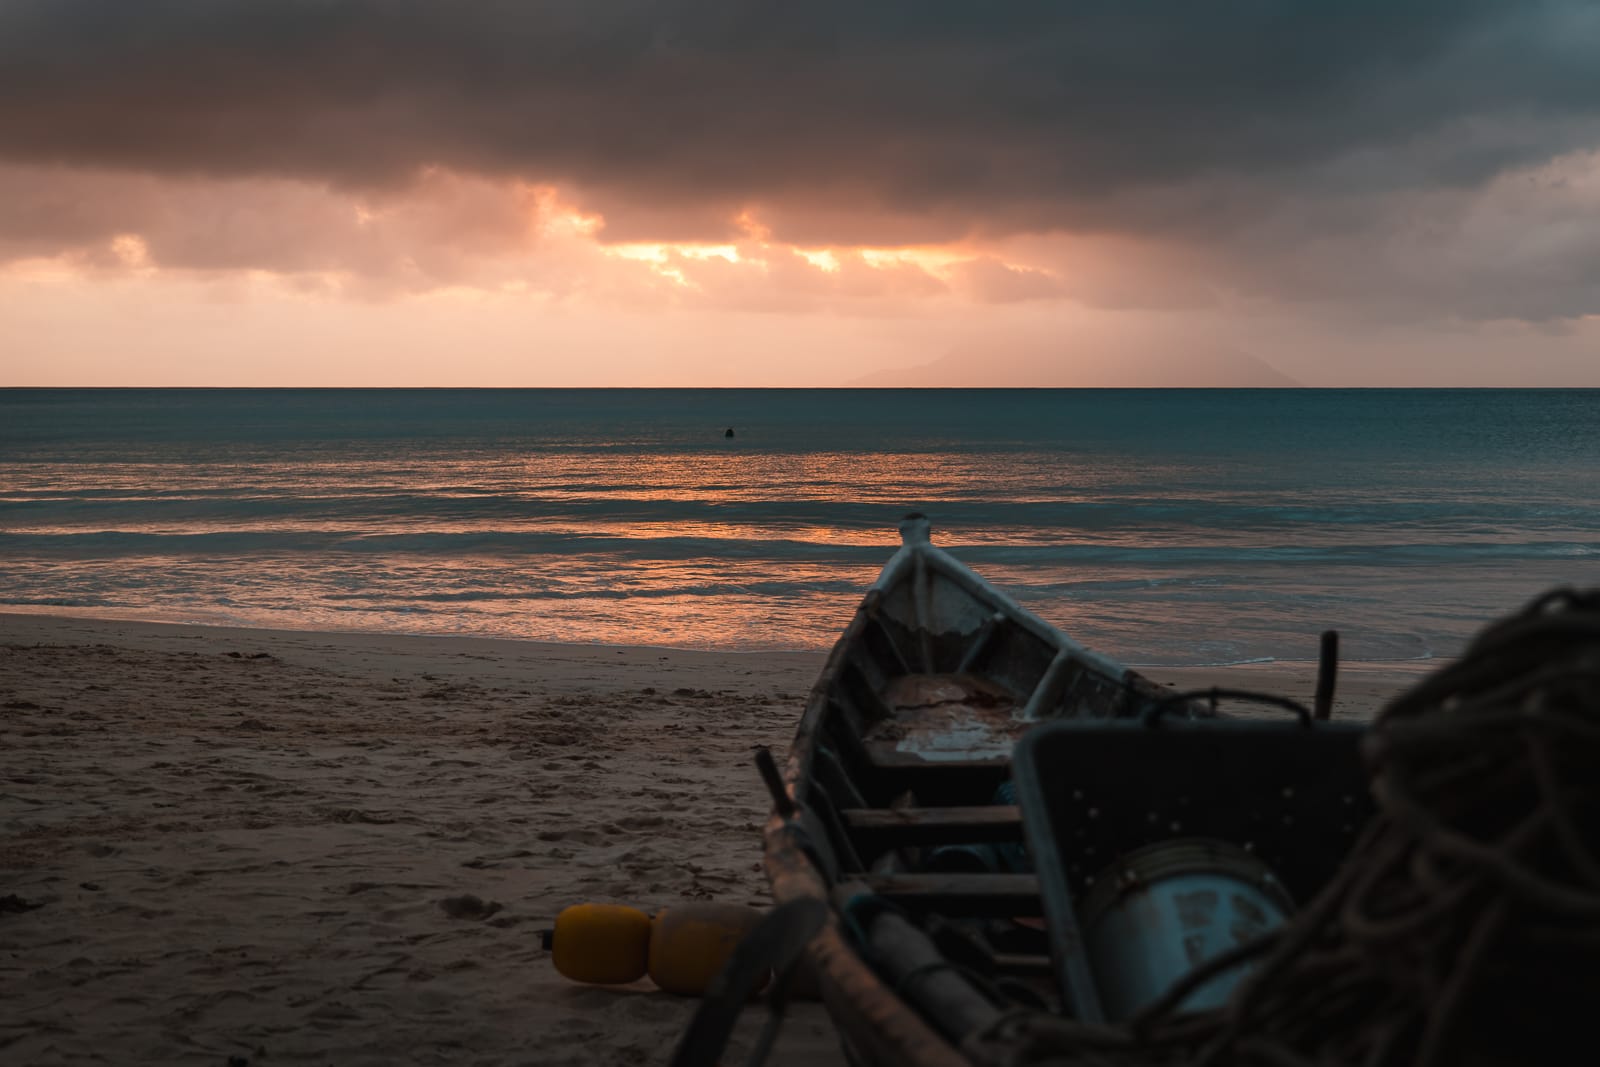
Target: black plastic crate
[{"x": 1293, "y": 794}]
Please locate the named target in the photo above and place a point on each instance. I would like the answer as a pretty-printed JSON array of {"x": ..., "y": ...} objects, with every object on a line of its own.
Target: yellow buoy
[
  {"x": 607, "y": 944},
  {"x": 689, "y": 943}
]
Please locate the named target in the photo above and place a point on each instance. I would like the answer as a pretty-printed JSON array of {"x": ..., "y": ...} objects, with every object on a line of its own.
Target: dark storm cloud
[{"x": 915, "y": 120}]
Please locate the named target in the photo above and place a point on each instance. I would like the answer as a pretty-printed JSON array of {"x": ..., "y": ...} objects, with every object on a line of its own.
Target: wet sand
[{"x": 295, "y": 847}]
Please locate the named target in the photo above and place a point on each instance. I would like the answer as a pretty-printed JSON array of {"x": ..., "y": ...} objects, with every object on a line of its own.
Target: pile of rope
[{"x": 1464, "y": 927}]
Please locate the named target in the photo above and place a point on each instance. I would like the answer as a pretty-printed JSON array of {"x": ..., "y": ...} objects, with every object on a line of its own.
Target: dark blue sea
[{"x": 1163, "y": 527}]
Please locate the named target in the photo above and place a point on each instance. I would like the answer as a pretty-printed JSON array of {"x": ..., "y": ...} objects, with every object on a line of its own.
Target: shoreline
[
  {"x": 304, "y": 846},
  {"x": 77, "y": 615},
  {"x": 1402, "y": 670}
]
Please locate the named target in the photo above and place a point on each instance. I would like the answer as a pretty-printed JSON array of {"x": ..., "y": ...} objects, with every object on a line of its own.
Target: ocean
[{"x": 1165, "y": 527}]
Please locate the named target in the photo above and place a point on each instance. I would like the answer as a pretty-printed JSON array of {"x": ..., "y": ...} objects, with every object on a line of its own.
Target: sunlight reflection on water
[{"x": 1162, "y": 540}]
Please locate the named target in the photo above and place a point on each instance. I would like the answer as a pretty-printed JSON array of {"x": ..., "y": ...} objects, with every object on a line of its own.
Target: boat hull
[{"x": 905, "y": 739}]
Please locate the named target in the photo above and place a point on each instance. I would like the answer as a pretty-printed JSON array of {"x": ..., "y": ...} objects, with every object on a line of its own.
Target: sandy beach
[{"x": 273, "y": 847}]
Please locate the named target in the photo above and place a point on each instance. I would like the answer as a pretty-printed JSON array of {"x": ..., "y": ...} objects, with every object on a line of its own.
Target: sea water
[{"x": 1168, "y": 527}]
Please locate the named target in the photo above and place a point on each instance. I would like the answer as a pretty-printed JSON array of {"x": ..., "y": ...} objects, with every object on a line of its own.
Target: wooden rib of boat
[{"x": 892, "y": 809}]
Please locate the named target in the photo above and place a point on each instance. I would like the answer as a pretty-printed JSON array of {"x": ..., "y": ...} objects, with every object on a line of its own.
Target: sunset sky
[{"x": 744, "y": 192}]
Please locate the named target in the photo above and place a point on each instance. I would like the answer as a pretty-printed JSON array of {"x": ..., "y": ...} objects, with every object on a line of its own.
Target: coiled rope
[{"x": 1464, "y": 926}]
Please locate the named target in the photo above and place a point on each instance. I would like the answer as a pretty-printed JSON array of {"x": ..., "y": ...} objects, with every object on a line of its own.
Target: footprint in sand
[{"x": 468, "y": 906}]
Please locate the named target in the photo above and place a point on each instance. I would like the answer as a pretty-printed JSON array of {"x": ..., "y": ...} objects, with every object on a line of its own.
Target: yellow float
[{"x": 682, "y": 949}]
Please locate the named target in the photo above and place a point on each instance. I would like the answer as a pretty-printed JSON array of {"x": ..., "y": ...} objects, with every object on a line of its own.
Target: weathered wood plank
[
  {"x": 961, "y": 894},
  {"x": 890, "y": 827}
]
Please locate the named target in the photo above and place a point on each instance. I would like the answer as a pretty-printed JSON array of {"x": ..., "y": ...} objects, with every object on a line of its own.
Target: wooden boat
[{"x": 944, "y": 916}]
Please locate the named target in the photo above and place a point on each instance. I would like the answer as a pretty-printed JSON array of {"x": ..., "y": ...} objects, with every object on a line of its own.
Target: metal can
[{"x": 1162, "y": 910}]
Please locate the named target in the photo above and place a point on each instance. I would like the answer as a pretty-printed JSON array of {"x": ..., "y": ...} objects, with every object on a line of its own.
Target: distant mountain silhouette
[{"x": 1145, "y": 367}]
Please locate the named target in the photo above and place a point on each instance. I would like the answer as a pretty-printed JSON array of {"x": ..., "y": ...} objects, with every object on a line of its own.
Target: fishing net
[{"x": 1464, "y": 927}]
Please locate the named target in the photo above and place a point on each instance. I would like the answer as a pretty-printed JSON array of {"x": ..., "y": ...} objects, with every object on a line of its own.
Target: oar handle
[
  {"x": 774, "y": 780},
  {"x": 1327, "y": 671}
]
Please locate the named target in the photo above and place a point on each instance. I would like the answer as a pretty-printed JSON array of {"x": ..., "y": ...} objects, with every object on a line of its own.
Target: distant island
[{"x": 973, "y": 368}]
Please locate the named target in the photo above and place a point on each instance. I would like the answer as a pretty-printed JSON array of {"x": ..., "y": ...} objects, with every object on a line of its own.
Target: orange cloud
[{"x": 447, "y": 231}]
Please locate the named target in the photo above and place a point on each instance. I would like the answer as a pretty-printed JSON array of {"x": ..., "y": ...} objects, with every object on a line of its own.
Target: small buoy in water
[
  {"x": 682, "y": 949},
  {"x": 729, "y": 433}
]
